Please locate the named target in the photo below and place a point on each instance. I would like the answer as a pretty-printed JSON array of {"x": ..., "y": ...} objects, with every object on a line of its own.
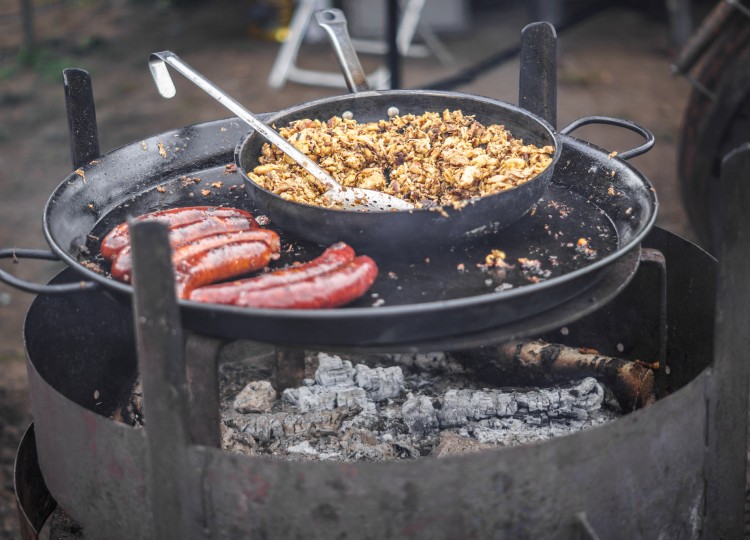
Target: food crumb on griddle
[
  {"x": 583, "y": 247},
  {"x": 89, "y": 265},
  {"x": 188, "y": 181},
  {"x": 495, "y": 259},
  {"x": 532, "y": 270},
  {"x": 263, "y": 220},
  {"x": 230, "y": 168},
  {"x": 205, "y": 192}
]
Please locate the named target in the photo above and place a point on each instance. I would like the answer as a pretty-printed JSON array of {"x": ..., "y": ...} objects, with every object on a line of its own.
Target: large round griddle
[{"x": 414, "y": 300}]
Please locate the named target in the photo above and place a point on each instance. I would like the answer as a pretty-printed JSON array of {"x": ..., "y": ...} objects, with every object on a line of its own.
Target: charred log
[{"x": 540, "y": 363}]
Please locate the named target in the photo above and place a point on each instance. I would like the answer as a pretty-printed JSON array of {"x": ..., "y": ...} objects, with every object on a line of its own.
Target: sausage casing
[
  {"x": 333, "y": 257},
  {"x": 119, "y": 237},
  {"x": 332, "y": 289},
  {"x": 122, "y": 265},
  {"x": 221, "y": 262}
]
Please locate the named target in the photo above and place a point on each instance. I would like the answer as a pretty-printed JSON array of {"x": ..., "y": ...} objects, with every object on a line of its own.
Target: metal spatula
[{"x": 350, "y": 198}]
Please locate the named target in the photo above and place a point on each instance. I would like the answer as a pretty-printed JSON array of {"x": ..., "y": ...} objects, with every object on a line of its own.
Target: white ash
[
  {"x": 427, "y": 405},
  {"x": 339, "y": 384},
  {"x": 460, "y": 407},
  {"x": 419, "y": 415}
]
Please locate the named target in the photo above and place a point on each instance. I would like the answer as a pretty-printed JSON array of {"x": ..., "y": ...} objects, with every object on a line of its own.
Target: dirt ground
[{"x": 616, "y": 63}]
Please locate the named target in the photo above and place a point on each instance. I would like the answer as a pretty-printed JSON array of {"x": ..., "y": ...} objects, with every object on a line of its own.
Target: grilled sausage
[
  {"x": 224, "y": 293},
  {"x": 119, "y": 237},
  {"x": 122, "y": 265},
  {"x": 335, "y": 288},
  {"x": 220, "y": 262}
]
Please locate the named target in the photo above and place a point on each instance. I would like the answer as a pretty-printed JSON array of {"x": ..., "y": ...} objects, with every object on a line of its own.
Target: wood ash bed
[{"x": 407, "y": 406}]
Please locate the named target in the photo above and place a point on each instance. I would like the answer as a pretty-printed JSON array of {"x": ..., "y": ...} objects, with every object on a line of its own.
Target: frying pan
[
  {"x": 420, "y": 298},
  {"x": 420, "y": 229},
  {"x": 405, "y": 230}
]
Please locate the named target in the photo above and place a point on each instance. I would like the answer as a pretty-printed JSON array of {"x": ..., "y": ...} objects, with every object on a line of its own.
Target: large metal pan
[
  {"x": 415, "y": 300},
  {"x": 405, "y": 230}
]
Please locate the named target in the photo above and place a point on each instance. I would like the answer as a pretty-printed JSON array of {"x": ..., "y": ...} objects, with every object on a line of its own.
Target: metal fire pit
[
  {"x": 672, "y": 470},
  {"x": 645, "y": 475}
]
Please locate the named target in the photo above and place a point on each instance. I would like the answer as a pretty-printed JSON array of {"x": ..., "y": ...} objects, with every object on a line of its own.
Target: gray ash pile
[{"x": 397, "y": 406}]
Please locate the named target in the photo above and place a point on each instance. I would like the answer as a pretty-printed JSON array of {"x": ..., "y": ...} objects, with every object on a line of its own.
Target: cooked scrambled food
[{"x": 429, "y": 160}]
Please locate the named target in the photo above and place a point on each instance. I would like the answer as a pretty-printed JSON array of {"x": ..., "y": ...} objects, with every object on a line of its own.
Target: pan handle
[
  {"x": 39, "y": 254},
  {"x": 632, "y": 126}
]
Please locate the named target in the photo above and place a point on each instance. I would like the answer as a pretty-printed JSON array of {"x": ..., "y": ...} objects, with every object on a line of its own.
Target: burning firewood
[{"x": 631, "y": 382}]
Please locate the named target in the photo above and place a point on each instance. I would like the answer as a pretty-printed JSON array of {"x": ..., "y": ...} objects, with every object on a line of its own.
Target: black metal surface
[
  {"x": 726, "y": 438},
  {"x": 82, "y": 126},
  {"x": 202, "y": 370},
  {"x": 537, "y": 82},
  {"x": 592, "y": 196},
  {"x": 649, "y": 138},
  {"x": 421, "y": 229},
  {"x": 653, "y": 262},
  {"x": 33, "y": 500},
  {"x": 640, "y": 476}
]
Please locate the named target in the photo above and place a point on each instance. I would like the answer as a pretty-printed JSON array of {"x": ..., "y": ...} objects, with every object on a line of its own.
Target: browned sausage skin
[
  {"x": 122, "y": 265},
  {"x": 221, "y": 262},
  {"x": 225, "y": 293},
  {"x": 119, "y": 237},
  {"x": 332, "y": 289}
]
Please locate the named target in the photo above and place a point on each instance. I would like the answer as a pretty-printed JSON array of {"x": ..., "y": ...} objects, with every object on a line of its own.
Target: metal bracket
[
  {"x": 537, "y": 86},
  {"x": 82, "y": 127},
  {"x": 202, "y": 370},
  {"x": 654, "y": 259},
  {"x": 161, "y": 360}
]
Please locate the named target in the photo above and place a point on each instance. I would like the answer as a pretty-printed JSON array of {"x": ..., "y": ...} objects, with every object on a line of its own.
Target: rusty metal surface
[
  {"x": 620, "y": 475},
  {"x": 639, "y": 477}
]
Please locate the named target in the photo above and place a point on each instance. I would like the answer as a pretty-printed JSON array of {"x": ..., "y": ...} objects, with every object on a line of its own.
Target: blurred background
[{"x": 614, "y": 59}]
